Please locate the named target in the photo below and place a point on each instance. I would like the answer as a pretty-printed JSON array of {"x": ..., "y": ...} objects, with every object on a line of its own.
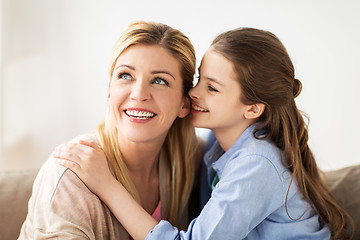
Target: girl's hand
[{"x": 87, "y": 161}]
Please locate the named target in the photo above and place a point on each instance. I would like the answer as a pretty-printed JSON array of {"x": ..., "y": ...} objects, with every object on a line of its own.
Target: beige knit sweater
[{"x": 62, "y": 207}]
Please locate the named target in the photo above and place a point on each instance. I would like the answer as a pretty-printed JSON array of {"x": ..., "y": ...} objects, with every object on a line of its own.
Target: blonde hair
[
  {"x": 266, "y": 75},
  {"x": 177, "y": 156}
]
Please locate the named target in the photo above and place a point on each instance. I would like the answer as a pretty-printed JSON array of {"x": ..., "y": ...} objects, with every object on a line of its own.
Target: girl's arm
[{"x": 88, "y": 161}]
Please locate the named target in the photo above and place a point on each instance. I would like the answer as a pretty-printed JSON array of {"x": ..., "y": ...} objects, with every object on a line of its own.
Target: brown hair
[
  {"x": 266, "y": 75},
  {"x": 177, "y": 157}
]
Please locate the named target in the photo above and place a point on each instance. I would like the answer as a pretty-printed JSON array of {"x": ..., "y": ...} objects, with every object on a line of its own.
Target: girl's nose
[
  {"x": 140, "y": 92},
  {"x": 193, "y": 93}
]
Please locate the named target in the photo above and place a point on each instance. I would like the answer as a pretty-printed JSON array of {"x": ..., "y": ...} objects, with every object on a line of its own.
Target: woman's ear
[
  {"x": 254, "y": 111},
  {"x": 108, "y": 98},
  {"x": 185, "y": 109}
]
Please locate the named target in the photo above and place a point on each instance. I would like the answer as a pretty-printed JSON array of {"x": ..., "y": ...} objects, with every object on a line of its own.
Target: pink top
[{"x": 156, "y": 215}]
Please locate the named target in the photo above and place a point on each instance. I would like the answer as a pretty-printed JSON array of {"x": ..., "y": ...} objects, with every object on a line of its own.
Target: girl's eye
[
  {"x": 160, "y": 81},
  {"x": 211, "y": 89},
  {"x": 125, "y": 76},
  {"x": 197, "y": 80}
]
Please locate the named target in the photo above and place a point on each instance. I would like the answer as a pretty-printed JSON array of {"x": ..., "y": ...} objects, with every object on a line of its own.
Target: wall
[{"x": 54, "y": 57}]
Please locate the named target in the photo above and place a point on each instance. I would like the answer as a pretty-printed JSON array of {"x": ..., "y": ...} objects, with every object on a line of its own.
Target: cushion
[
  {"x": 345, "y": 184},
  {"x": 15, "y": 191}
]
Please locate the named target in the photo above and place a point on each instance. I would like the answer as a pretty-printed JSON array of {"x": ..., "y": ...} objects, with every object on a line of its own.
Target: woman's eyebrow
[
  {"x": 153, "y": 72},
  {"x": 164, "y": 72},
  {"x": 125, "y": 65}
]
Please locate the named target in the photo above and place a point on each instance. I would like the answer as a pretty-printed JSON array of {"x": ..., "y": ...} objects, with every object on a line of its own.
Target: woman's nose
[{"x": 140, "y": 92}]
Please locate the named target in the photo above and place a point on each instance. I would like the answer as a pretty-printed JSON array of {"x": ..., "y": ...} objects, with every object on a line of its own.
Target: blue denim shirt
[{"x": 248, "y": 202}]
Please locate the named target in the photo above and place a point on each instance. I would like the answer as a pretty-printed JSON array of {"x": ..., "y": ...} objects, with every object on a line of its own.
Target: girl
[{"x": 266, "y": 184}]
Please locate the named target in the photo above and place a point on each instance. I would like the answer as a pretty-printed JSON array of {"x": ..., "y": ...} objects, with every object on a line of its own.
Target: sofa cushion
[
  {"x": 15, "y": 191},
  {"x": 345, "y": 184}
]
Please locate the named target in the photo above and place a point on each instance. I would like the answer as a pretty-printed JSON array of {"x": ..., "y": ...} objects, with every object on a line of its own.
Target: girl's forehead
[{"x": 216, "y": 63}]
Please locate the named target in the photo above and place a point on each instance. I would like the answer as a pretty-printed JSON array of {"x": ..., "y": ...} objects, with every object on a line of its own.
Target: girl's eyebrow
[
  {"x": 211, "y": 79},
  {"x": 214, "y": 80}
]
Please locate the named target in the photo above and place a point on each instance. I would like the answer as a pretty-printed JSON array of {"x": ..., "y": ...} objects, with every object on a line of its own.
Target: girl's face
[
  {"x": 145, "y": 94},
  {"x": 216, "y": 97}
]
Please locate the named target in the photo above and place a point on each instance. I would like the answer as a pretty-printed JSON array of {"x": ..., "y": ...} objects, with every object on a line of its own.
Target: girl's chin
[{"x": 198, "y": 124}]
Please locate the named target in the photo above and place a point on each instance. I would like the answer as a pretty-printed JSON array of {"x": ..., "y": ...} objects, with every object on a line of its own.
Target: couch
[{"x": 16, "y": 187}]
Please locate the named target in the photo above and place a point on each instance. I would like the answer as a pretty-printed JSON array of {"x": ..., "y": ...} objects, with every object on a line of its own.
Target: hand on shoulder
[{"x": 87, "y": 160}]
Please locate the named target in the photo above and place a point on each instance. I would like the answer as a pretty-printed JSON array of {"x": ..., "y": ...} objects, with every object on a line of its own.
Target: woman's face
[
  {"x": 145, "y": 94},
  {"x": 216, "y": 97}
]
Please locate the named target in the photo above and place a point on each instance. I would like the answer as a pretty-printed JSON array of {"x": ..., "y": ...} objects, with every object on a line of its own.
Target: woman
[{"x": 147, "y": 138}]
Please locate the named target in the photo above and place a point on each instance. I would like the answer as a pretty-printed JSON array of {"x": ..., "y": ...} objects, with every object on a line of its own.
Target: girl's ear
[
  {"x": 254, "y": 111},
  {"x": 185, "y": 109}
]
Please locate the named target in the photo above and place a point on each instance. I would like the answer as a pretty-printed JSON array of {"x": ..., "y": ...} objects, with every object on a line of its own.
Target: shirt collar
[{"x": 215, "y": 159}]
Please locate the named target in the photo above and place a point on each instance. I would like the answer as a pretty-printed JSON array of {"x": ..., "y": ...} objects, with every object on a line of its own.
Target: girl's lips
[{"x": 198, "y": 108}]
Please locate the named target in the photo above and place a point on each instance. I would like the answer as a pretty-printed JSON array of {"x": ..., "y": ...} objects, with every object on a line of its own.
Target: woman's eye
[
  {"x": 212, "y": 89},
  {"x": 125, "y": 76},
  {"x": 160, "y": 81}
]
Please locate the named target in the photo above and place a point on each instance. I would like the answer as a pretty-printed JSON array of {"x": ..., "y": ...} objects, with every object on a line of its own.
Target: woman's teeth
[
  {"x": 139, "y": 114},
  {"x": 200, "y": 109}
]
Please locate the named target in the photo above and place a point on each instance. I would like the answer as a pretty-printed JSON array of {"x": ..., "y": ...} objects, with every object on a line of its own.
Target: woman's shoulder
[
  {"x": 52, "y": 176},
  {"x": 54, "y": 181},
  {"x": 62, "y": 205},
  {"x": 90, "y": 137}
]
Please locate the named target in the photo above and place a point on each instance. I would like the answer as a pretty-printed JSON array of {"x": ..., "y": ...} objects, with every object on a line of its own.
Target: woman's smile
[{"x": 139, "y": 114}]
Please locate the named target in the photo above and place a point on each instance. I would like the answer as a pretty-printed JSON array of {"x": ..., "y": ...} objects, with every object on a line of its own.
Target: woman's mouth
[
  {"x": 197, "y": 108},
  {"x": 139, "y": 114}
]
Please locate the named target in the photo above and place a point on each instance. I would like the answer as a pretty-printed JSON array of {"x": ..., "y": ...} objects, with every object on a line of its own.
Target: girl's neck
[{"x": 227, "y": 137}]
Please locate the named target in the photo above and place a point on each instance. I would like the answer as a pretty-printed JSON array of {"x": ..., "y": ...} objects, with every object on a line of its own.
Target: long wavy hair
[
  {"x": 266, "y": 75},
  {"x": 177, "y": 156}
]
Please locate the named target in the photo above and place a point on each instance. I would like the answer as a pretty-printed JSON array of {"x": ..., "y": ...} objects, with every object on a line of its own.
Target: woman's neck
[{"x": 142, "y": 160}]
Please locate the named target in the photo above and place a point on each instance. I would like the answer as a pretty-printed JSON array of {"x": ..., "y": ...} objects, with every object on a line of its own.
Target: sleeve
[
  {"x": 249, "y": 189},
  {"x": 62, "y": 207},
  {"x": 71, "y": 211}
]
